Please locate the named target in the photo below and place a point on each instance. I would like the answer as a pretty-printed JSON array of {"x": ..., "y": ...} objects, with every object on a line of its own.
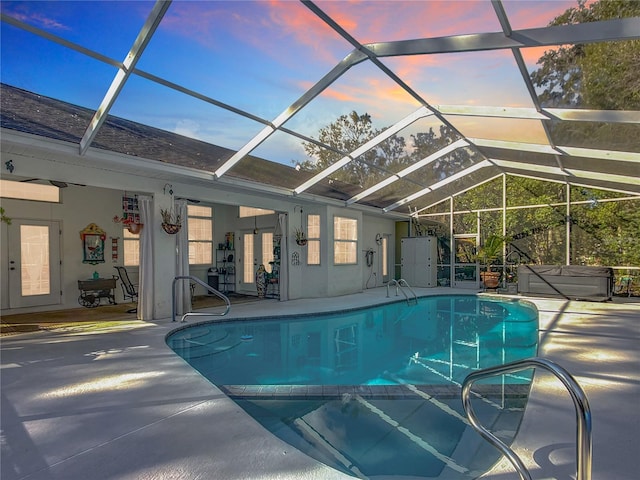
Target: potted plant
[
  {"x": 301, "y": 237},
  {"x": 170, "y": 223},
  {"x": 129, "y": 222},
  {"x": 488, "y": 255}
]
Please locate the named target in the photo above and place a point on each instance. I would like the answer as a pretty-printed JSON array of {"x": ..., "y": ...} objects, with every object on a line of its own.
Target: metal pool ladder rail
[
  {"x": 403, "y": 283},
  {"x": 583, "y": 413},
  {"x": 194, "y": 314}
]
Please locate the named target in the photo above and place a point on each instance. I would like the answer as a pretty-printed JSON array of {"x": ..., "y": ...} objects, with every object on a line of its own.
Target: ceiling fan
[{"x": 55, "y": 183}]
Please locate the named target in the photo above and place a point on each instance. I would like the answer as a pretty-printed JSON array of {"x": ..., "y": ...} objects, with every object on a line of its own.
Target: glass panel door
[
  {"x": 257, "y": 249},
  {"x": 465, "y": 265},
  {"x": 34, "y": 263}
]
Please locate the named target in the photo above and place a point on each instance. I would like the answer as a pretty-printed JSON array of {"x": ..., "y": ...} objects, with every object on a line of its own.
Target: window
[
  {"x": 247, "y": 272},
  {"x": 313, "y": 236},
  {"x": 385, "y": 258},
  {"x": 267, "y": 251},
  {"x": 130, "y": 248},
  {"x": 253, "y": 212},
  {"x": 200, "y": 224},
  {"x": 34, "y": 260},
  {"x": 345, "y": 241},
  {"x": 29, "y": 191}
]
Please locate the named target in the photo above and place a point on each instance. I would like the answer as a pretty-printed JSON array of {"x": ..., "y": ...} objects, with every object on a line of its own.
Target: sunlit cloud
[
  {"x": 267, "y": 27},
  {"x": 305, "y": 28},
  {"x": 528, "y": 131},
  {"x": 533, "y": 54},
  {"x": 388, "y": 21},
  {"x": 535, "y": 14}
]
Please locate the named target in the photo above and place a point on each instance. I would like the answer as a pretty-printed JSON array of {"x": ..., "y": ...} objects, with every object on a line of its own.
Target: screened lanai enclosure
[{"x": 469, "y": 120}]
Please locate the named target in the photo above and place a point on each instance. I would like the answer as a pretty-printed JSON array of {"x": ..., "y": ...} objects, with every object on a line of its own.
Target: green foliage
[
  {"x": 599, "y": 75},
  {"x": 605, "y": 233},
  {"x": 3, "y": 217},
  {"x": 344, "y": 135},
  {"x": 490, "y": 252},
  {"x": 351, "y": 131}
]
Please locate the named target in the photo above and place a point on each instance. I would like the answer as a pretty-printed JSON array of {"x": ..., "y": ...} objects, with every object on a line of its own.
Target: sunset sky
[{"x": 260, "y": 57}]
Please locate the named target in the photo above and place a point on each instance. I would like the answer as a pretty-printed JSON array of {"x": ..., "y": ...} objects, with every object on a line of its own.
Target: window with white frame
[
  {"x": 130, "y": 248},
  {"x": 200, "y": 225},
  {"x": 313, "y": 236},
  {"x": 345, "y": 241}
]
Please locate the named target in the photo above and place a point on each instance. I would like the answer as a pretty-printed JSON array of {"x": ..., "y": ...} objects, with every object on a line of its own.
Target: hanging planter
[
  {"x": 171, "y": 228},
  {"x": 301, "y": 237},
  {"x": 170, "y": 222},
  {"x": 129, "y": 223},
  {"x": 135, "y": 228}
]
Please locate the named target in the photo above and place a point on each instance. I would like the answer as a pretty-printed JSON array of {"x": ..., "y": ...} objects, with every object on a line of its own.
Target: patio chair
[{"x": 129, "y": 290}]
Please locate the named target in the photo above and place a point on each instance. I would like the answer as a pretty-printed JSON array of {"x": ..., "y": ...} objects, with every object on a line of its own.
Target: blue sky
[{"x": 261, "y": 57}]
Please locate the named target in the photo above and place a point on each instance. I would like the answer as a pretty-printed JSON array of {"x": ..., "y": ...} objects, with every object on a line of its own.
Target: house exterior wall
[{"x": 107, "y": 179}]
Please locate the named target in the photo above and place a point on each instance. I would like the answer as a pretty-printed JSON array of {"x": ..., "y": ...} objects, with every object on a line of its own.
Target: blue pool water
[{"x": 375, "y": 391}]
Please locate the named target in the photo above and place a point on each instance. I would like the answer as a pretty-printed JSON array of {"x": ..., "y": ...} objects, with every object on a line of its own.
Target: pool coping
[{"x": 379, "y": 392}]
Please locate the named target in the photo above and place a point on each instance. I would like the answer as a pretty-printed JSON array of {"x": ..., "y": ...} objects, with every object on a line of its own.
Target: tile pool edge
[{"x": 380, "y": 392}]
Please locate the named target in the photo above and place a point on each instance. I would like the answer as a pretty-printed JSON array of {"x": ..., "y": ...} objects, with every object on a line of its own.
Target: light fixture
[{"x": 255, "y": 225}]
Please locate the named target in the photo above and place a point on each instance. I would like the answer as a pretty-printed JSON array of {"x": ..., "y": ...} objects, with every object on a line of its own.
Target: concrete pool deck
[{"x": 113, "y": 401}]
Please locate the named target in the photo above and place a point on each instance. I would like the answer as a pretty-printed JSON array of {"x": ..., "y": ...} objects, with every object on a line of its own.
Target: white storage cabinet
[{"x": 419, "y": 261}]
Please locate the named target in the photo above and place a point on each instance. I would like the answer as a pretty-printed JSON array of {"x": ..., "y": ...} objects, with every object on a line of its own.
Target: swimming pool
[{"x": 375, "y": 391}]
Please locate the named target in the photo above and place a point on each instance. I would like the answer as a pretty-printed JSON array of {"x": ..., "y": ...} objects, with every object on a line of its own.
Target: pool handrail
[
  {"x": 399, "y": 284},
  {"x": 581, "y": 404},
  {"x": 205, "y": 285}
]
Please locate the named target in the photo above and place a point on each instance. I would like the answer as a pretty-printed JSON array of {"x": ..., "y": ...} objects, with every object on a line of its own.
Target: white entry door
[
  {"x": 34, "y": 263},
  {"x": 255, "y": 249}
]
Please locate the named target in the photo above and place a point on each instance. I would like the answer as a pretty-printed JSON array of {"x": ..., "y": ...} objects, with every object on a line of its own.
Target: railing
[
  {"x": 194, "y": 314},
  {"x": 583, "y": 413},
  {"x": 399, "y": 284}
]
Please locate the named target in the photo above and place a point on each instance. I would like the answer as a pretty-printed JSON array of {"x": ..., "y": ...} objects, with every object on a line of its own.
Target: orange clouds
[{"x": 375, "y": 21}]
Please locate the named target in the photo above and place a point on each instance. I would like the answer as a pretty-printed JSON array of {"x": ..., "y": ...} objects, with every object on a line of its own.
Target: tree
[
  {"x": 601, "y": 75},
  {"x": 351, "y": 131},
  {"x": 344, "y": 135}
]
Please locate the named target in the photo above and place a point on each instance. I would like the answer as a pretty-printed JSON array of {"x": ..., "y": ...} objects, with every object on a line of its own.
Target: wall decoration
[
  {"x": 114, "y": 249},
  {"x": 92, "y": 244},
  {"x": 130, "y": 214}
]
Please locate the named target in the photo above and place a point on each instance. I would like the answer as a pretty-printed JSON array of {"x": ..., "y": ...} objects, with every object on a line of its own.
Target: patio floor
[{"x": 109, "y": 400}]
